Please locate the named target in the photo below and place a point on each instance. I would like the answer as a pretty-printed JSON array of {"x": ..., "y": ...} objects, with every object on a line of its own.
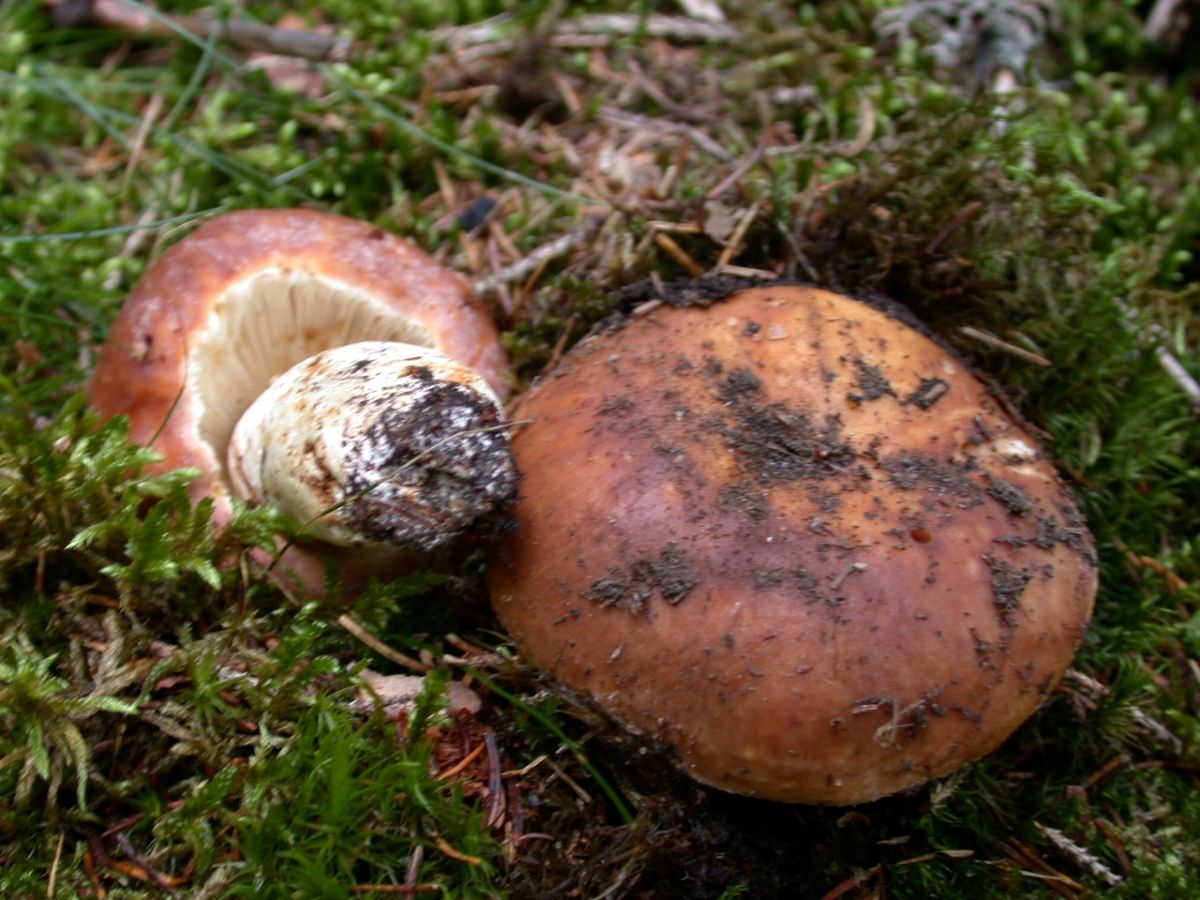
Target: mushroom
[
  {"x": 389, "y": 448},
  {"x": 794, "y": 538}
]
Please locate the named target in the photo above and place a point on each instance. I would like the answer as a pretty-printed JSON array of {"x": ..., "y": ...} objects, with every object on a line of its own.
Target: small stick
[
  {"x": 742, "y": 168},
  {"x": 53, "y": 879},
  {"x": 542, "y": 254},
  {"x": 1080, "y": 855},
  {"x": 734, "y": 245},
  {"x": 1055, "y": 880},
  {"x": 851, "y": 569},
  {"x": 678, "y": 254},
  {"x": 866, "y": 128},
  {"x": 1160, "y": 18},
  {"x": 445, "y": 847},
  {"x": 622, "y": 119},
  {"x": 746, "y": 272},
  {"x": 153, "y": 107},
  {"x": 351, "y": 625},
  {"x": 414, "y": 865},
  {"x": 160, "y": 881},
  {"x": 655, "y": 93},
  {"x": 570, "y": 782},
  {"x": 1173, "y": 367},
  {"x": 1114, "y": 841},
  {"x": 986, "y": 337},
  {"x": 496, "y": 802},
  {"x": 854, "y": 881},
  {"x": 964, "y": 215},
  {"x": 654, "y": 25},
  {"x": 676, "y": 227},
  {"x": 121, "y": 16},
  {"x": 458, "y": 767}
]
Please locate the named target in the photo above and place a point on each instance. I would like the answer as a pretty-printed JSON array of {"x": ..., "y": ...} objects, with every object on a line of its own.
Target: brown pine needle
[
  {"x": 986, "y": 337},
  {"x": 449, "y": 851},
  {"x": 461, "y": 764},
  {"x": 678, "y": 254},
  {"x": 351, "y": 625}
]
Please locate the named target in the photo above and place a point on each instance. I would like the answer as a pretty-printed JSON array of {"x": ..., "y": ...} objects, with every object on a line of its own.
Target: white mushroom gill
[
  {"x": 264, "y": 326},
  {"x": 377, "y": 443}
]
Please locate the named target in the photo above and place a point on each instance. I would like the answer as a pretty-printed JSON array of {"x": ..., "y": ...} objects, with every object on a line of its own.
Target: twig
[
  {"x": 542, "y": 254},
  {"x": 445, "y": 847},
  {"x": 704, "y": 10},
  {"x": 986, "y": 337},
  {"x": 746, "y": 272},
  {"x": 414, "y": 866},
  {"x": 866, "y": 128},
  {"x": 160, "y": 881},
  {"x": 960, "y": 218},
  {"x": 679, "y": 28},
  {"x": 1173, "y": 367},
  {"x": 655, "y": 93},
  {"x": 1055, "y": 880},
  {"x": 678, "y": 254},
  {"x": 351, "y": 625},
  {"x": 1162, "y": 14},
  {"x": 1157, "y": 730},
  {"x": 496, "y": 803},
  {"x": 622, "y": 119},
  {"x": 854, "y": 881},
  {"x": 741, "y": 169},
  {"x": 1166, "y": 359},
  {"x": 734, "y": 245},
  {"x": 459, "y": 766},
  {"x": 1079, "y": 854},
  {"x": 1110, "y": 834},
  {"x": 136, "y": 18},
  {"x": 53, "y": 879},
  {"x": 851, "y": 569}
]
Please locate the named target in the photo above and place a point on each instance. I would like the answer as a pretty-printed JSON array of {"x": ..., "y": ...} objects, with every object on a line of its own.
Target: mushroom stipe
[{"x": 790, "y": 535}]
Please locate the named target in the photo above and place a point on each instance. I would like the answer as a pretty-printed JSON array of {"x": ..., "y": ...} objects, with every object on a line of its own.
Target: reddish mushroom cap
[
  {"x": 247, "y": 296},
  {"x": 796, "y": 539}
]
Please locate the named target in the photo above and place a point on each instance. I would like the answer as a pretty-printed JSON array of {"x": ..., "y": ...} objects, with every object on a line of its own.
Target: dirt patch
[
  {"x": 671, "y": 574},
  {"x": 444, "y": 467},
  {"x": 1008, "y": 584},
  {"x": 912, "y": 471},
  {"x": 1011, "y": 497},
  {"x": 928, "y": 392},
  {"x": 871, "y": 381}
]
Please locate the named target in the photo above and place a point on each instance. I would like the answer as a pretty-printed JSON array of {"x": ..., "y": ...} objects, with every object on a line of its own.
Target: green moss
[{"x": 214, "y": 714}]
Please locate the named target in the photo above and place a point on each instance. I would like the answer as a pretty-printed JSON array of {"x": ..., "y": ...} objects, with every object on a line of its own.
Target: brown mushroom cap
[
  {"x": 796, "y": 539},
  {"x": 247, "y": 296}
]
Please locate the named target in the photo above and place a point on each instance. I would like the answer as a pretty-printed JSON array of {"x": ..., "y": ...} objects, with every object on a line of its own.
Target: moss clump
[{"x": 219, "y": 750}]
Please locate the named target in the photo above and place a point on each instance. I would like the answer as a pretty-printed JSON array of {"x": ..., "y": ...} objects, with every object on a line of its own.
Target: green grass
[{"x": 170, "y": 720}]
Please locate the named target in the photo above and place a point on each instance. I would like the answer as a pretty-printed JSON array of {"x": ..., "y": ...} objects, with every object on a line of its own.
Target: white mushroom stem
[{"x": 377, "y": 443}]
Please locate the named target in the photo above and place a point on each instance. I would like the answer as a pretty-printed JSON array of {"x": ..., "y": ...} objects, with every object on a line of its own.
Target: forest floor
[{"x": 1025, "y": 176}]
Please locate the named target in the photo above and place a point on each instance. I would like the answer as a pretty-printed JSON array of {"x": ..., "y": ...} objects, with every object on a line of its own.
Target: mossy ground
[{"x": 172, "y": 724}]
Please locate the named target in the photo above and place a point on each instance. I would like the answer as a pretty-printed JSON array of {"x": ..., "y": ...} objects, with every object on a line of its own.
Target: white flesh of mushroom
[{"x": 376, "y": 443}]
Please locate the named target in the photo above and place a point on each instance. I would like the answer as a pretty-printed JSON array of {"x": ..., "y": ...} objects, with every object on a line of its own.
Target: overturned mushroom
[
  {"x": 388, "y": 448},
  {"x": 793, "y": 537}
]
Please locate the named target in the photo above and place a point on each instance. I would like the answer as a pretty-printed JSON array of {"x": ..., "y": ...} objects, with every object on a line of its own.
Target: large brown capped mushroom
[
  {"x": 797, "y": 540},
  {"x": 325, "y": 365}
]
